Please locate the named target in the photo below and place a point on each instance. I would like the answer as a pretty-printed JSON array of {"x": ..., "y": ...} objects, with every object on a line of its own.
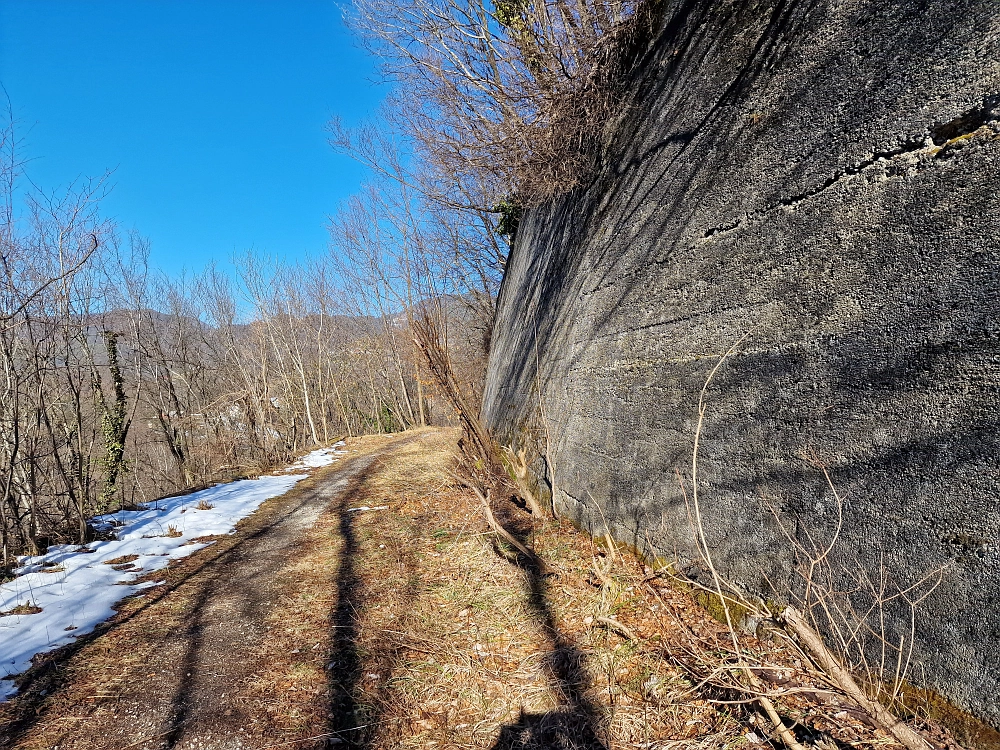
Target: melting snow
[
  {"x": 76, "y": 586},
  {"x": 322, "y": 457}
]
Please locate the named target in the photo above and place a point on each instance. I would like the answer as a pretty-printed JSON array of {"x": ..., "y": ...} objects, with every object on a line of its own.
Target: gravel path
[
  {"x": 186, "y": 691},
  {"x": 217, "y": 652}
]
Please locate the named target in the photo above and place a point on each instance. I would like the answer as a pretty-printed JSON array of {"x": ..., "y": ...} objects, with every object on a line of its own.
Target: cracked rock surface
[{"x": 818, "y": 184}]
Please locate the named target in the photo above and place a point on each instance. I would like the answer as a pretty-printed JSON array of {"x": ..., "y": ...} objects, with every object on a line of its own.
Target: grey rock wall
[{"x": 816, "y": 184}]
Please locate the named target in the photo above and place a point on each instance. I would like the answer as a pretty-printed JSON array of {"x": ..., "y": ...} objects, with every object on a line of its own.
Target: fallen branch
[
  {"x": 613, "y": 624},
  {"x": 786, "y": 734},
  {"x": 829, "y": 663},
  {"x": 502, "y": 532}
]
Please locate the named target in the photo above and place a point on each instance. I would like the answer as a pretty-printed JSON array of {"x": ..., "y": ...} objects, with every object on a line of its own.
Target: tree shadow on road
[
  {"x": 345, "y": 663},
  {"x": 360, "y": 675},
  {"x": 364, "y": 704},
  {"x": 52, "y": 676}
]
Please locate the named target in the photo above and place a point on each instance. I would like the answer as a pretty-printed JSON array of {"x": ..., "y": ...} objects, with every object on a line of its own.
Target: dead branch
[
  {"x": 517, "y": 91},
  {"x": 501, "y": 531},
  {"x": 618, "y": 627},
  {"x": 765, "y": 703},
  {"x": 829, "y": 663}
]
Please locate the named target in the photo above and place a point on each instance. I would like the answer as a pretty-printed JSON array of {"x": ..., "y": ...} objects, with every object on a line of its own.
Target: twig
[
  {"x": 783, "y": 731},
  {"x": 749, "y": 606},
  {"x": 519, "y": 466},
  {"x": 545, "y": 426},
  {"x": 315, "y": 737}
]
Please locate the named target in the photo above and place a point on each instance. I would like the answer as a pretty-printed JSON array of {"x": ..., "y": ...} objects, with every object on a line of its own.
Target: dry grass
[
  {"x": 452, "y": 644},
  {"x": 122, "y": 560},
  {"x": 24, "y": 608}
]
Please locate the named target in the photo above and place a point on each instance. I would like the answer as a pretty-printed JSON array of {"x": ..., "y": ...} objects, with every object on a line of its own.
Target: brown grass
[
  {"x": 24, "y": 608},
  {"x": 121, "y": 560}
]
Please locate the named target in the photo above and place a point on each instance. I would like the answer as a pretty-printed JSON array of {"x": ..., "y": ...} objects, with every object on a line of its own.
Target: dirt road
[{"x": 172, "y": 673}]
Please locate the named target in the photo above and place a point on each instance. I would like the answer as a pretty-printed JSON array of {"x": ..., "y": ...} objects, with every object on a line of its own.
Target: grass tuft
[{"x": 25, "y": 608}]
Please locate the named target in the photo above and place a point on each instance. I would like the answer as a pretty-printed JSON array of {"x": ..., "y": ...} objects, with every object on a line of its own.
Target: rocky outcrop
[{"x": 815, "y": 186}]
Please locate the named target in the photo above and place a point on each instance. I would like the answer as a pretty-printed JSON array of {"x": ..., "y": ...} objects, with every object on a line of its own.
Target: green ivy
[
  {"x": 114, "y": 428},
  {"x": 510, "y": 217},
  {"x": 510, "y": 13}
]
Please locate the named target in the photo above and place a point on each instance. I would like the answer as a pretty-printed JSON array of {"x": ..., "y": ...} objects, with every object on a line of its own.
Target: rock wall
[{"x": 814, "y": 184}]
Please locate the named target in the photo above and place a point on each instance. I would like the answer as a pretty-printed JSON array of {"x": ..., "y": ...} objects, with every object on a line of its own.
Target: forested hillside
[{"x": 122, "y": 385}]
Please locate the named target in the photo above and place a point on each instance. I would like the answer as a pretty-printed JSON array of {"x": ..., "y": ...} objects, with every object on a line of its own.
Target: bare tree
[{"x": 516, "y": 90}]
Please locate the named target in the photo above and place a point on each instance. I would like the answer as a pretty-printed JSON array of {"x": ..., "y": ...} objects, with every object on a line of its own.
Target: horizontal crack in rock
[
  {"x": 908, "y": 148},
  {"x": 967, "y": 122},
  {"x": 941, "y": 135}
]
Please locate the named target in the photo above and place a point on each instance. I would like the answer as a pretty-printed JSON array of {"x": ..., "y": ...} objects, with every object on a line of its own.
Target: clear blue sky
[{"x": 212, "y": 115}]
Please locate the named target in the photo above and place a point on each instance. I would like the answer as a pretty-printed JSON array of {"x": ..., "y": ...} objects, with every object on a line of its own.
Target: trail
[{"x": 186, "y": 690}]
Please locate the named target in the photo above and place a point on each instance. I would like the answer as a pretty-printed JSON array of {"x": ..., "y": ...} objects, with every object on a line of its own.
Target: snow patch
[
  {"x": 321, "y": 457},
  {"x": 76, "y": 586}
]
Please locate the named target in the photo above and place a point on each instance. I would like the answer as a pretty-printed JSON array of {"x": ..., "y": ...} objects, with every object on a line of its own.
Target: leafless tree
[{"x": 516, "y": 90}]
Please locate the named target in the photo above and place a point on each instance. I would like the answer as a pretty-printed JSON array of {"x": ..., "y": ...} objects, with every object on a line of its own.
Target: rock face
[{"x": 814, "y": 187}]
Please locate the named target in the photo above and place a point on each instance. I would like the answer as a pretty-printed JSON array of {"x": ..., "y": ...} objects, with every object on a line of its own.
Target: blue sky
[{"x": 212, "y": 115}]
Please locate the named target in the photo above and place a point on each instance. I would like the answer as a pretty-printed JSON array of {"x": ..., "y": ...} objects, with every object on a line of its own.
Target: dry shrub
[
  {"x": 741, "y": 676},
  {"x": 868, "y": 618},
  {"x": 515, "y": 90}
]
